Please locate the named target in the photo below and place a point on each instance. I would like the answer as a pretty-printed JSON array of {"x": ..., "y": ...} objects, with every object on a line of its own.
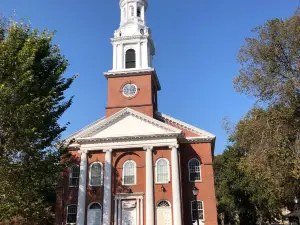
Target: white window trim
[
  {"x": 67, "y": 215},
  {"x": 135, "y": 175},
  {"x": 131, "y": 11},
  {"x": 94, "y": 203},
  {"x": 70, "y": 170},
  {"x": 170, "y": 206},
  {"x": 126, "y": 48},
  {"x": 202, "y": 210},
  {"x": 195, "y": 181},
  {"x": 90, "y": 175},
  {"x": 168, "y": 165}
]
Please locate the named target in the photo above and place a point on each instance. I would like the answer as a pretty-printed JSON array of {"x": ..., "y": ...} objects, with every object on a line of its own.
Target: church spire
[{"x": 133, "y": 47}]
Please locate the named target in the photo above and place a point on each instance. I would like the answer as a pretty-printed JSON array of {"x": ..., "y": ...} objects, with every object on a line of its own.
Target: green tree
[
  {"x": 269, "y": 135},
  {"x": 270, "y": 71},
  {"x": 233, "y": 190},
  {"x": 270, "y": 62},
  {"x": 32, "y": 100}
]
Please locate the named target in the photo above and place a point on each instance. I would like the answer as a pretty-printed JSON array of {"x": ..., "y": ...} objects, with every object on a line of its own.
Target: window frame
[
  {"x": 139, "y": 12},
  {"x": 101, "y": 210},
  {"x": 203, "y": 219},
  {"x": 156, "y": 171},
  {"x": 70, "y": 172},
  {"x": 123, "y": 173},
  {"x": 133, "y": 61},
  {"x": 195, "y": 181},
  {"x": 90, "y": 175},
  {"x": 131, "y": 8},
  {"x": 67, "y": 213},
  {"x": 163, "y": 200}
]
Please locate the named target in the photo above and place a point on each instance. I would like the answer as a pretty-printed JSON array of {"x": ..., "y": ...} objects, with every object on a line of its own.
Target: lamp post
[
  {"x": 195, "y": 193},
  {"x": 297, "y": 209}
]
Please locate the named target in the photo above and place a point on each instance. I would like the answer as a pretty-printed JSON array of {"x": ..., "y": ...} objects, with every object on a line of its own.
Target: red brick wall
[
  {"x": 206, "y": 186},
  {"x": 142, "y": 102},
  {"x": 187, "y": 152}
]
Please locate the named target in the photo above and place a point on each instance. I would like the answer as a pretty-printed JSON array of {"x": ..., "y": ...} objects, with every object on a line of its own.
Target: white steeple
[{"x": 133, "y": 48}]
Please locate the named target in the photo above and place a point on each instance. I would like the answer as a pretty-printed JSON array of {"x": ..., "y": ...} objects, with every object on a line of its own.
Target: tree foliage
[
  {"x": 263, "y": 160},
  {"x": 32, "y": 100},
  {"x": 270, "y": 62}
]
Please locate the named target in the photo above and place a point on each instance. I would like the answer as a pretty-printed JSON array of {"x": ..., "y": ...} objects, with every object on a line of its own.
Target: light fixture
[
  {"x": 296, "y": 200},
  {"x": 162, "y": 188},
  {"x": 195, "y": 191}
]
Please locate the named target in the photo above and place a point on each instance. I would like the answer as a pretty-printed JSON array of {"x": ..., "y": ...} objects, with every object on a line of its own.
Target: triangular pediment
[
  {"x": 126, "y": 123},
  {"x": 189, "y": 130}
]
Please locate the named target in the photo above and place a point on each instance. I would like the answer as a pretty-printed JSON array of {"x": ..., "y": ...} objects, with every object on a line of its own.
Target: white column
[
  {"x": 138, "y": 210},
  {"x": 142, "y": 211},
  {"x": 107, "y": 188},
  {"x": 119, "y": 212},
  {"x": 82, "y": 188},
  {"x": 115, "y": 212},
  {"x": 122, "y": 57},
  {"x": 149, "y": 187},
  {"x": 176, "y": 186},
  {"x": 115, "y": 56},
  {"x": 143, "y": 14},
  {"x": 138, "y": 55},
  {"x": 145, "y": 60}
]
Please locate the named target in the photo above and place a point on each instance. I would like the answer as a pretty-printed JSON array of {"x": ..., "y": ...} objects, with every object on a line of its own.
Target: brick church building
[{"x": 136, "y": 165}]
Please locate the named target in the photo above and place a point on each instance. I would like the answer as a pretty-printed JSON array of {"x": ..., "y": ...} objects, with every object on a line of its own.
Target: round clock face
[{"x": 129, "y": 90}]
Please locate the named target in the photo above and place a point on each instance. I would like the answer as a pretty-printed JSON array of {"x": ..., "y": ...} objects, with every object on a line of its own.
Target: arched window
[
  {"x": 71, "y": 214},
  {"x": 96, "y": 171},
  {"x": 94, "y": 214},
  {"x": 163, "y": 213},
  {"x": 194, "y": 170},
  {"x": 197, "y": 210},
  {"x": 130, "y": 59},
  {"x": 138, "y": 12},
  {"x": 131, "y": 11},
  {"x": 162, "y": 171},
  {"x": 74, "y": 176},
  {"x": 129, "y": 173}
]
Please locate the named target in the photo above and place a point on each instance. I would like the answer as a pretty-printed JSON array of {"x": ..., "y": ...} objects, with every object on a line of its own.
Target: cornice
[
  {"x": 129, "y": 38},
  {"x": 128, "y": 111},
  {"x": 83, "y": 130},
  {"x": 195, "y": 140},
  {"x": 122, "y": 2},
  {"x": 204, "y": 134},
  {"x": 126, "y": 138},
  {"x": 134, "y": 72}
]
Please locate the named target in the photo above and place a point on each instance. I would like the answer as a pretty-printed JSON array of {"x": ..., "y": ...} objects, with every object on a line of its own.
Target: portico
[{"x": 166, "y": 136}]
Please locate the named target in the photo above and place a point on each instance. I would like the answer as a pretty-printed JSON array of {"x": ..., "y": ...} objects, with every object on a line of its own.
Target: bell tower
[{"x": 132, "y": 82}]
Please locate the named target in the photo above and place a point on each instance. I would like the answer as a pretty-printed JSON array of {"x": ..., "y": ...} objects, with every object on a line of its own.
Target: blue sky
[{"x": 196, "y": 44}]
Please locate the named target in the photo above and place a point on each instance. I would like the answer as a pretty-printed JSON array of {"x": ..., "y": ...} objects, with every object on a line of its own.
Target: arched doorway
[
  {"x": 163, "y": 213},
  {"x": 94, "y": 214}
]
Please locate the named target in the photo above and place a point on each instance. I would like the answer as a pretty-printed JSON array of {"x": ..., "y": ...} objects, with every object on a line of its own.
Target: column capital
[
  {"x": 82, "y": 151},
  {"x": 146, "y": 148},
  {"x": 173, "y": 146},
  {"x": 107, "y": 150}
]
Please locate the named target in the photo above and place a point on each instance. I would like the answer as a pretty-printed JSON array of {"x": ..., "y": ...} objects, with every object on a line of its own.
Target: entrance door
[
  {"x": 94, "y": 214},
  {"x": 129, "y": 214},
  {"x": 163, "y": 213}
]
